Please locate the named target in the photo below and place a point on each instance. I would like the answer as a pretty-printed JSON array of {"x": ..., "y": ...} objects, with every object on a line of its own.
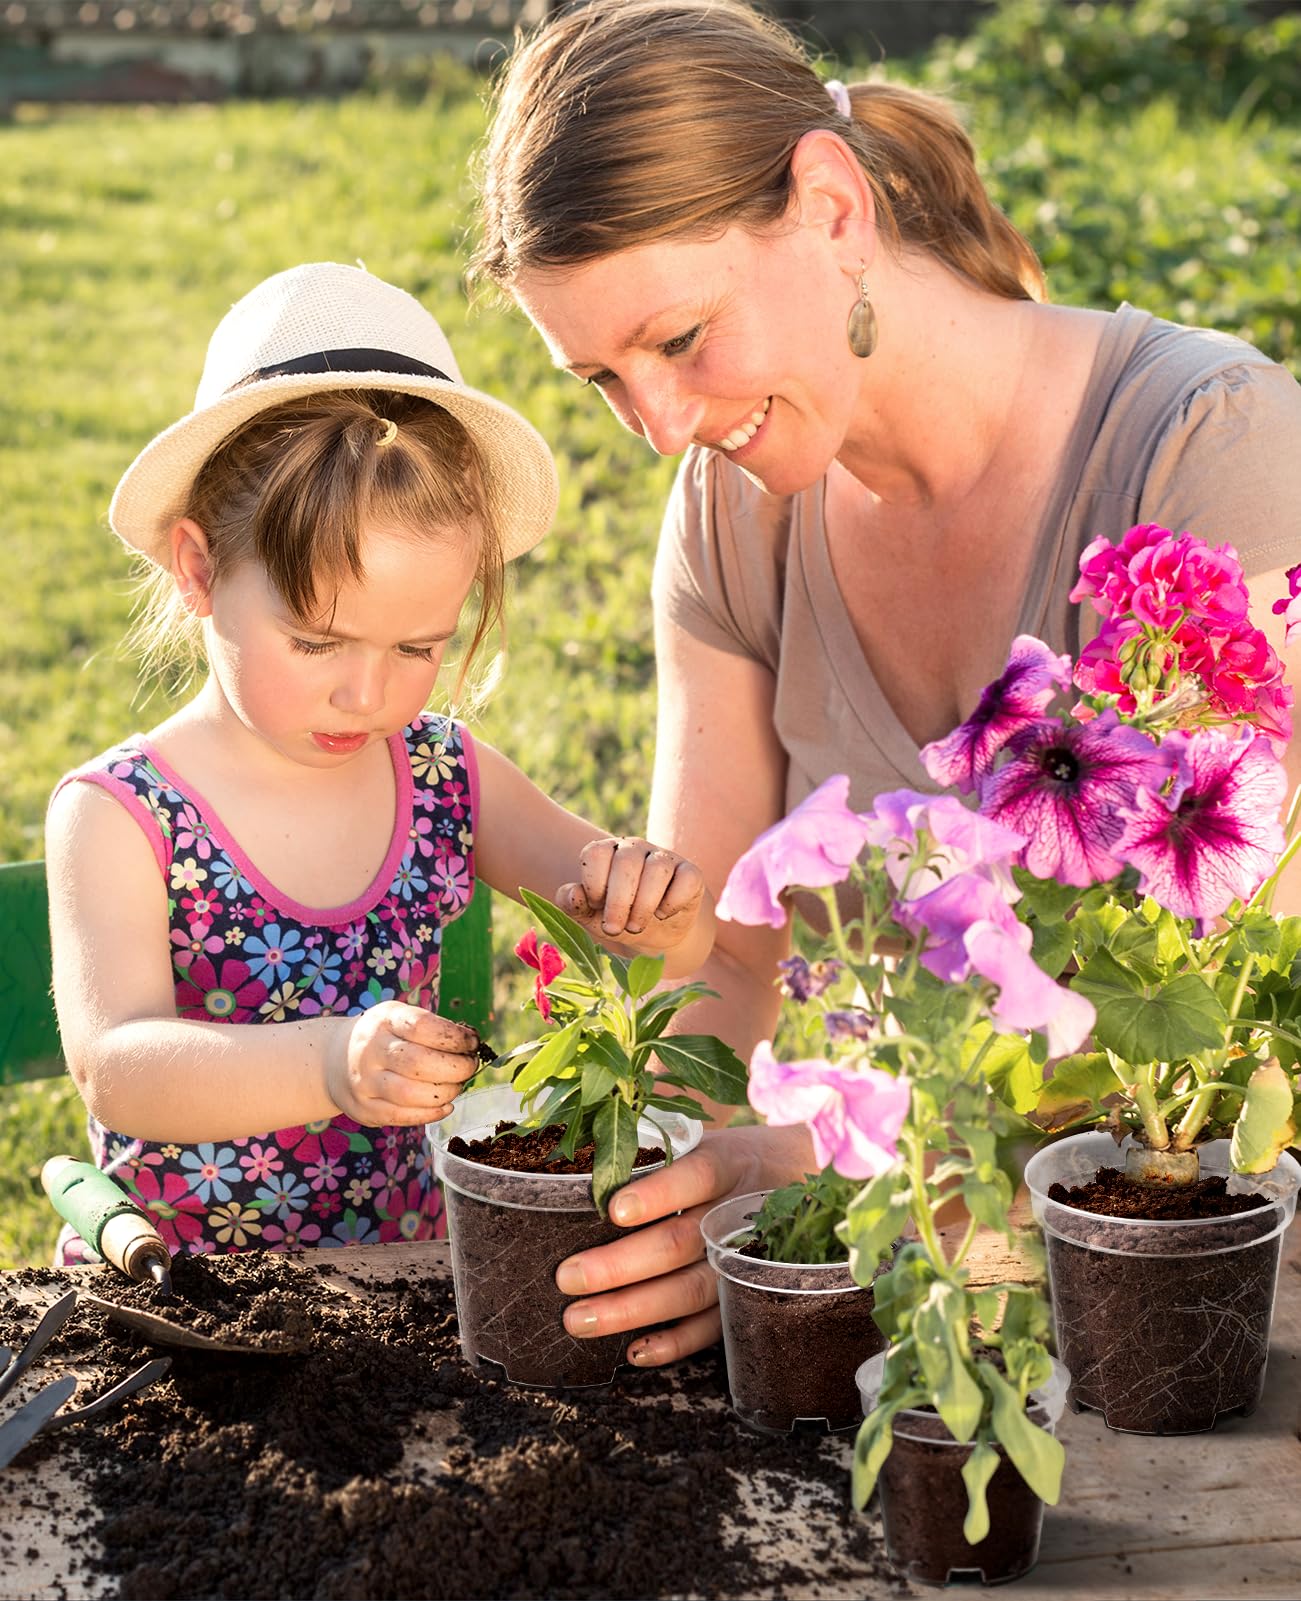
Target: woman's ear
[
  {"x": 831, "y": 191},
  {"x": 191, "y": 566}
]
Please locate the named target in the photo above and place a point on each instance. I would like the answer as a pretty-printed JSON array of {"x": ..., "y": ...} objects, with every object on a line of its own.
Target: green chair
[{"x": 29, "y": 1034}]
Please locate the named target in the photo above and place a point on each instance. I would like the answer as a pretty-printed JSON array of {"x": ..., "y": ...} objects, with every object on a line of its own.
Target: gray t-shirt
[{"x": 1181, "y": 427}]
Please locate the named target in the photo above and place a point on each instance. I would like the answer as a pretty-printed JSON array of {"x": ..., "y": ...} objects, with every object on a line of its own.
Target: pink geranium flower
[
  {"x": 853, "y": 1113},
  {"x": 547, "y": 962},
  {"x": 1216, "y": 836},
  {"x": 814, "y": 845},
  {"x": 1014, "y": 700},
  {"x": 1064, "y": 790},
  {"x": 1289, "y": 607}
]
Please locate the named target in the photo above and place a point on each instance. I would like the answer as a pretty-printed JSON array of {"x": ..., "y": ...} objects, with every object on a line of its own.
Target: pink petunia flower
[
  {"x": 1028, "y": 998},
  {"x": 1216, "y": 836},
  {"x": 853, "y": 1113},
  {"x": 1064, "y": 790},
  {"x": 547, "y": 962},
  {"x": 813, "y": 845},
  {"x": 1014, "y": 700}
]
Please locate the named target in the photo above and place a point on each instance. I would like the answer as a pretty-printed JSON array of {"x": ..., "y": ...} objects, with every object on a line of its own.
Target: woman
[{"x": 895, "y": 451}]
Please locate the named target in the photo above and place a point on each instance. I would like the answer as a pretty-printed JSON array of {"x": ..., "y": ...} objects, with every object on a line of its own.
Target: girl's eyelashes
[
  {"x": 679, "y": 345},
  {"x": 321, "y": 647}
]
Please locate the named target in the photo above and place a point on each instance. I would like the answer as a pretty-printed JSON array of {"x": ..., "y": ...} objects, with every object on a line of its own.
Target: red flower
[{"x": 548, "y": 963}]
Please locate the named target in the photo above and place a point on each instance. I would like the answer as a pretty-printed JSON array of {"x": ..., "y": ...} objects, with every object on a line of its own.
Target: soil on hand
[
  {"x": 1164, "y": 1329},
  {"x": 379, "y": 1465},
  {"x": 1113, "y": 1193},
  {"x": 530, "y": 1151}
]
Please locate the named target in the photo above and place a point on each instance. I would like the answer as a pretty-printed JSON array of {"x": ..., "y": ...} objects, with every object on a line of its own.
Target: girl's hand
[
  {"x": 400, "y": 1064},
  {"x": 635, "y": 893}
]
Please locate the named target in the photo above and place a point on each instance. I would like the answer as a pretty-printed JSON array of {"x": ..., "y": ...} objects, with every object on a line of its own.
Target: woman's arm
[{"x": 148, "y": 1073}]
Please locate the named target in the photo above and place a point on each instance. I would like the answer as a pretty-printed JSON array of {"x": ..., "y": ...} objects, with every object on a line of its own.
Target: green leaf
[
  {"x": 873, "y": 1221},
  {"x": 615, "y": 1130},
  {"x": 871, "y": 1447},
  {"x": 701, "y": 1062},
  {"x": 682, "y": 1104},
  {"x": 1036, "y": 1455},
  {"x": 979, "y": 1468},
  {"x": 1076, "y": 1092},
  {"x": 659, "y": 1011},
  {"x": 555, "y": 1055},
  {"x": 598, "y": 1081},
  {"x": 566, "y": 935},
  {"x": 1009, "y": 1069},
  {"x": 644, "y": 974},
  {"x": 939, "y": 1327},
  {"x": 1264, "y": 1127},
  {"x": 1150, "y": 1022}
]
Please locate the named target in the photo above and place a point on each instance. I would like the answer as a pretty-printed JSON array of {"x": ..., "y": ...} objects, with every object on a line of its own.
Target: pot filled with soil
[
  {"x": 924, "y": 1496},
  {"x": 794, "y": 1334},
  {"x": 1162, "y": 1292},
  {"x": 514, "y": 1213}
]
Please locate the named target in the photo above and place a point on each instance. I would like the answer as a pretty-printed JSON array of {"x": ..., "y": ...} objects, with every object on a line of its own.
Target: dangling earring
[{"x": 862, "y": 328}]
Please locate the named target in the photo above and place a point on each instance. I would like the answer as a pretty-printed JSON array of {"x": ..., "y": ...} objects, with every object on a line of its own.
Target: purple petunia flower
[
  {"x": 1216, "y": 836},
  {"x": 1064, "y": 790},
  {"x": 814, "y": 845},
  {"x": 1014, "y": 700},
  {"x": 801, "y": 981}
]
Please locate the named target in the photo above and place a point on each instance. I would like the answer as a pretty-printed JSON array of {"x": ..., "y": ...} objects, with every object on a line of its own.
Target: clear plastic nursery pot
[
  {"x": 793, "y": 1334},
  {"x": 510, "y": 1231},
  {"x": 924, "y": 1496},
  {"x": 1163, "y": 1325}
]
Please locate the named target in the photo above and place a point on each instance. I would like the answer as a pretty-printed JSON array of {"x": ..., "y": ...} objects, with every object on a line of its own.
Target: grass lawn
[{"x": 127, "y": 232}]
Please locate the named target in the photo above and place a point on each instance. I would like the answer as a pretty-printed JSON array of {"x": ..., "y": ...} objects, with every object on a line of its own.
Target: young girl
[{"x": 288, "y": 847}]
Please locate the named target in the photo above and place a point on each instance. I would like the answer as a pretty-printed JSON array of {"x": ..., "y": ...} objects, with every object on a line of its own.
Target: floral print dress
[{"x": 244, "y": 953}]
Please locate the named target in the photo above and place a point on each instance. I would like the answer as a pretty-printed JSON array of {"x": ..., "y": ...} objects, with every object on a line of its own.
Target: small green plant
[{"x": 604, "y": 1062}]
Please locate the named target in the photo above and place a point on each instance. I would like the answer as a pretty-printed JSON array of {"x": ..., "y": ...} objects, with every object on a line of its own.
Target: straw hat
[{"x": 318, "y": 327}]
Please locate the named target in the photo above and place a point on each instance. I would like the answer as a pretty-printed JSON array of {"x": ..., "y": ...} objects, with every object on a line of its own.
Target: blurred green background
[{"x": 1148, "y": 151}]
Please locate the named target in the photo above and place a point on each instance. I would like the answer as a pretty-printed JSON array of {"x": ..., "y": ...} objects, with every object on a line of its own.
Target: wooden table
[{"x": 1184, "y": 1518}]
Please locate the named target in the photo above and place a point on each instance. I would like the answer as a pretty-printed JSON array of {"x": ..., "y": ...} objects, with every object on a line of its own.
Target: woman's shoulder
[{"x": 1165, "y": 364}]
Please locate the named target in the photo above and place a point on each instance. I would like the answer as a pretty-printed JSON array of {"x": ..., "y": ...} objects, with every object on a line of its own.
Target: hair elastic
[
  {"x": 839, "y": 97},
  {"x": 389, "y": 435}
]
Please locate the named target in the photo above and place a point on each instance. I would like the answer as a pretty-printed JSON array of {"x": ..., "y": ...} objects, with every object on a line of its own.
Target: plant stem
[{"x": 1154, "y": 1125}]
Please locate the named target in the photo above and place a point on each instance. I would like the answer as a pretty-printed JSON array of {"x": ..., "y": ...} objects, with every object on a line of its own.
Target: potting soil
[{"x": 380, "y": 1465}]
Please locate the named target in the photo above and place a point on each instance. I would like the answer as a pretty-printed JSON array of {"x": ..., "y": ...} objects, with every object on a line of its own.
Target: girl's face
[
  {"x": 320, "y": 693},
  {"x": 735, "y": 343}
]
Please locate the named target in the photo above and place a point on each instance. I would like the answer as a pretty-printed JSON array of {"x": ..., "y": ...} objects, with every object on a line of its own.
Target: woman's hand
[
  {"x": 643, "y": 898},
  {"x": 400, "y": 1064},
  {"x": 659, "y": 1273}
]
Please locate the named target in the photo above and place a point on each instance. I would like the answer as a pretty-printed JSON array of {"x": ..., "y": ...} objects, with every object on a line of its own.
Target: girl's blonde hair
[
  {"x": 292, "y": 489},
  {"x": 621, "y": 122}
]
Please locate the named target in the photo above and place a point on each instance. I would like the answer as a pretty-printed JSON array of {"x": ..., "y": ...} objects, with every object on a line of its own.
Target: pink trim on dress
[{"x": 131, "y": 801}]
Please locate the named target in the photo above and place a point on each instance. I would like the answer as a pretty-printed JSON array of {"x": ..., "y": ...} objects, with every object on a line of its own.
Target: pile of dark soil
[
  {"x": 530, "y": 1151},
  {"x": 380, "y": 1465},
  {"x": 1112, "y": 1193}
]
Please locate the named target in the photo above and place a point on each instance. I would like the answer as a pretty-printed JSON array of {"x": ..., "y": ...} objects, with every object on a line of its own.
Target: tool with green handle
[{"x": 108, "y": 1220}]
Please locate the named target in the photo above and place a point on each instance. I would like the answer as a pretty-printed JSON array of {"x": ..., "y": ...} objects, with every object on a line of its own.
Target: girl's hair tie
[
  {"x": 389, "y": 435},
  {"x": 839, "y": 98}
]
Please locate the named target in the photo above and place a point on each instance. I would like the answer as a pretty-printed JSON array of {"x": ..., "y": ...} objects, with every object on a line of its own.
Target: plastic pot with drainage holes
[
  {"x": 793, "y": 1333},
  {"x": 924, "y": 1496},
  {"x": 509, "y": 1231},
  {"x": 1164, "y": 1324}
]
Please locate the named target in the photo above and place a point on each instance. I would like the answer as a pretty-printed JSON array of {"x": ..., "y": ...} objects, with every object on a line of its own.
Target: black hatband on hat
[{"x": 358, "y": 360}]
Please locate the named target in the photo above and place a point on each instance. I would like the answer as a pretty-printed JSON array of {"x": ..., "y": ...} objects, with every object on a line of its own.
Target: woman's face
[{"x": 735, "y": 343}]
